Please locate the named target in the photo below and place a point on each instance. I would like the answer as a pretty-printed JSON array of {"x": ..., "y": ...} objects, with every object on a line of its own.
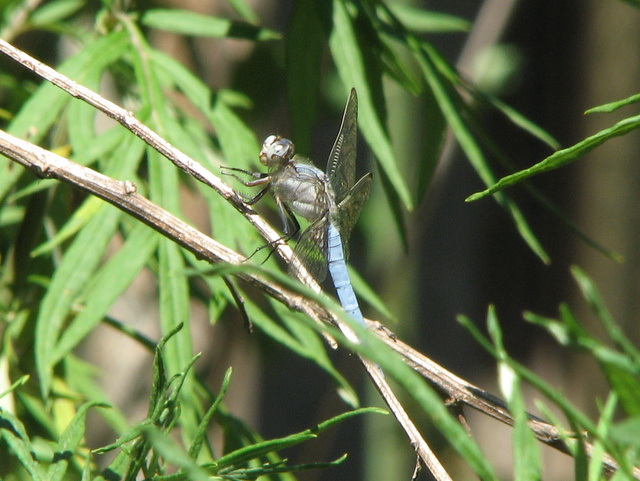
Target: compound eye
[
  {"x": 283, "y": 148},
  {"x": 269, "y": 141},
  {"x": 276, "y": 150}
]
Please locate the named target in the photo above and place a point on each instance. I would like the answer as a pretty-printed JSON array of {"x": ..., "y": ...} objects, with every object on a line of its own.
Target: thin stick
[
  {"x": 461, "y": 392},
  {"x": 137, "y": 205},
  {"x": 123, "y": 195}
]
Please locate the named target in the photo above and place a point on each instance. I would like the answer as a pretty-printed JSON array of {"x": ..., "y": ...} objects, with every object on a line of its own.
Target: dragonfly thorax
[{"x": 305, "y": 189}]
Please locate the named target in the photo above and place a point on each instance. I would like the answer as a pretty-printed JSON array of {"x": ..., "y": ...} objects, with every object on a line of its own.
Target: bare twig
[
  {"x": 460, "y": 392},
  {"x": 15, "y": 23},
  {"x": 123, "y": 195}
]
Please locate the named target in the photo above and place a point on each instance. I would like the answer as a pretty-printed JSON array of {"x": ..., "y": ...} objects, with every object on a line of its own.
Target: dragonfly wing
[
  {"x": 351, "y": 206},
  {"x": 311, "y": 249},
  {"x": 341, "y": 167}
]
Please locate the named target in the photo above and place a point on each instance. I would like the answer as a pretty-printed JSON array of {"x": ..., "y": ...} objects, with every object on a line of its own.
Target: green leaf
[
  {"x": 69, "y": 442},
  {"x": 78, "y": 219},
  {"x": 562, "y": 157},
  {"x": 20, "y": 382},
  {"x": 627, "y": 432},
  {"x": 174, "y": 303},
  {"x": 244, "y": 10},
  {"x": 70, "y": 277},
  {"x": 427, "y": 21},
  {"x": 301, "y": 340},
  {"x": 203, "y": 429},
  {"x": 107, "y": 285},
  {"x": 613, "y": 106},
  {"x": 174, "y": 454},
  {"x": 369, "y": 295},
  {"x": 190, "y": 23},
  {"x": 604, "y": 427},
  {"x": 81, "y": 117},
  {"x": 259, "y": 449},
  {"x": 52, "y": 12},
  {"x": 243, "y": 455},
  {"x": 526, "y": 453},
  {"x": 552, "y": 393},
  {"x": 350, "y": 63},
  {"x": 43, "y": 109},
  {"x": 450, "y": 102},
  {"x": 304, "y": 44},
  {"x": 591, "y": 294},
  {"x": 524, "y": 123},
  {"x": 433, "y": 135},
  {"x": 14, "y": 434},
  {"x": 238, "y": 143},
  {"x": 626, "y": 386}
]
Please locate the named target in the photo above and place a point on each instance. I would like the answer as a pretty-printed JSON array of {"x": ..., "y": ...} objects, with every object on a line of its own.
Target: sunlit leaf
[
  {"x": 562, "y": 157},
  {"x": 198, "y": 25}
]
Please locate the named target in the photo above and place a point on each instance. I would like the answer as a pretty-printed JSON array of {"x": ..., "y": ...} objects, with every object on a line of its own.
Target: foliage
[{"x": 59, "y": 278}]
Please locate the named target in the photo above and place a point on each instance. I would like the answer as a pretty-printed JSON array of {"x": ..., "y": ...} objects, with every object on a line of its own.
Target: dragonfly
[{"x": 330, "y": 201}]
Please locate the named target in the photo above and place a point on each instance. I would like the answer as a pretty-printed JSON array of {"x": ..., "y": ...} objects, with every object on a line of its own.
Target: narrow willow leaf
[
  {"x": 107, "y": 285},
  {"x": 81, "y": 117},
  {"x": 200, "y": 436},
  {"x": 78, "y": 219},
  {"x": 449, "y": 102},
  {"x": 171, "y": 452},
  {"x": 349, "y": 60},
  {"x": 20, "y": 382},
  {"x": 369, "y": 295},
  {"x": 323, "y": 426},
  {"x": 304, "y": 44},
  {"x": 133, "y": 433},
  {"x": 562, "y": 157},
  {"x": 592, "y": 295},
  {"x": 43, "y": 108},
  {"x": 244, "y": 10},
  {"x": 190, "y": 23},
  {"x": 613, "y": 106},
  {"x": 384, "y": 47},
  {"x": 78, "y": 264},
  {"x": 300, "y": 339},
  {"x": 74, "y": 271},
  {"x": 69, "y": 443},
  {"x": 626, "y": 432},
  {"x": 237, "y": 141},
  {"x": 174, "y": 304},
  {"x": 183, "y": 79},
  {"x": 626, "y": 387},
  {"x": 434, "y": 129},
  {"x": 526, "y": 452},
  {"x": 285, "y": 470},
  {"x": 426, "y": 21},
  {"x": 15, "y": 436},
  {"x": 524, "y": 123},
  {"x": 34, "y": 123},
  {"x": 82, "y": 381},
  {"x": 52, "y": 12},
  {"x": 100, "y": 146},
  {"x": 552, "y": 393},
  {"x": 243, "y": 455}
]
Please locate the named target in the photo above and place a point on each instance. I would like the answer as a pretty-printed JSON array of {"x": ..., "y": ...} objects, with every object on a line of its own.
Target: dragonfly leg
[
  {"x": 259, "y": 179},
  {"x": 255, "y": 175},
  {"x": 272, "y": 247},
  {"x": 291, "y": 228},
  {"x": 290, "y": 224}
]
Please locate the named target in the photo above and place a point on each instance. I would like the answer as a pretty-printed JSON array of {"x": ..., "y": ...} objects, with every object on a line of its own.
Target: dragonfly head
[{"x": 276, "y": 151}]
